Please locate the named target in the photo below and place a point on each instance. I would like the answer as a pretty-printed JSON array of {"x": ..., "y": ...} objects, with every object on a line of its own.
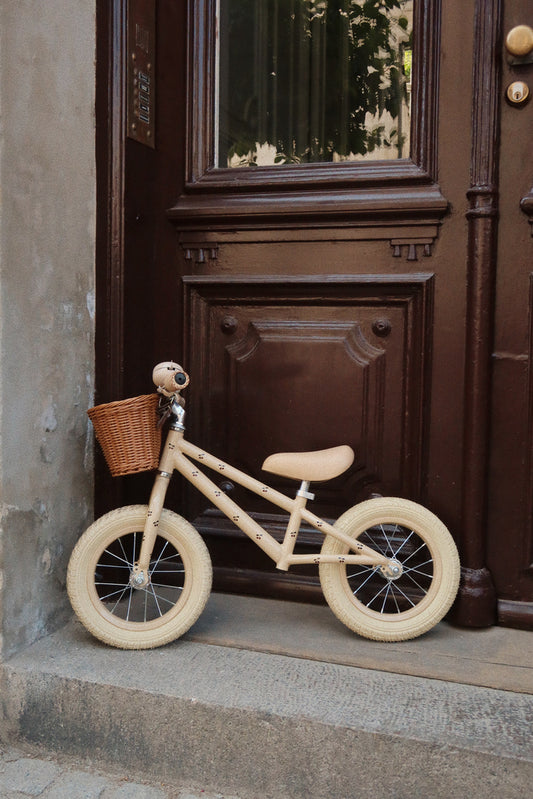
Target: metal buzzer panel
[{"x": 141, "y": 71}]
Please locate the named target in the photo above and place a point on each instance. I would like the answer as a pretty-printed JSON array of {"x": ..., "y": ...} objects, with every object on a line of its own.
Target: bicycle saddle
[{"x": 323, "y": 464}]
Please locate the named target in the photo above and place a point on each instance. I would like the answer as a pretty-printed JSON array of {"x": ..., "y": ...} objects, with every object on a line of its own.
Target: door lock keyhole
[{"x": 517, "y": 92}]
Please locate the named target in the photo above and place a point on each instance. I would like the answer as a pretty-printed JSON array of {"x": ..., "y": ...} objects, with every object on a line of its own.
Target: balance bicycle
[{"x": 140, "y": 576}]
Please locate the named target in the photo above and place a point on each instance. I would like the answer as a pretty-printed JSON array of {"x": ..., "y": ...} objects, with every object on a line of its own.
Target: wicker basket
[{"x": 128, "y": 434}]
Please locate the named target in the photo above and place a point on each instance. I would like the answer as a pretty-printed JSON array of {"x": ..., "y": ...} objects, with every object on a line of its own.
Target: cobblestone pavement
[{"x": 31, "y": 772}]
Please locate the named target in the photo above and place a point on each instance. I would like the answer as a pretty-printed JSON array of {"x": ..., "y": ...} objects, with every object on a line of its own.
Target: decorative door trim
[{"x": 404, "y": 193}]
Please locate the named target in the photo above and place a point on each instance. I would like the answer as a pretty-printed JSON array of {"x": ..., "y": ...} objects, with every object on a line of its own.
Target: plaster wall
[{"x": 47, "y": 244}]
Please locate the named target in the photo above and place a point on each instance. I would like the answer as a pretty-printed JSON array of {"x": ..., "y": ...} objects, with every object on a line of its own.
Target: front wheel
[
  {"x": 398, "y": 603},
  {"x": 102, "y": 589}
]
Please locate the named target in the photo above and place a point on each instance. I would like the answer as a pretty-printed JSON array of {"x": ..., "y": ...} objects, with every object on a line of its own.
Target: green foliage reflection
[{"x": 316, "y": 80}]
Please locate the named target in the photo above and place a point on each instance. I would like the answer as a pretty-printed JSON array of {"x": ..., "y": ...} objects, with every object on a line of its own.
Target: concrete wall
[{"x": 47, "y": 242}]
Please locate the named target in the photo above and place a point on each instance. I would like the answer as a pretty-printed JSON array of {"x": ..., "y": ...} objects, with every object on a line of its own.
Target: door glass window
[{"x": 307, "y": 81}]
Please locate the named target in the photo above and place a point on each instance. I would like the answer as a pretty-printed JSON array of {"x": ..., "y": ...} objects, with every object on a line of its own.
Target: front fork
[{"x": 140, "y": 576}]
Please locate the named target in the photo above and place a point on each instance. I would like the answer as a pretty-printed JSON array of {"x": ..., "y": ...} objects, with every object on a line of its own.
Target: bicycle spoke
[
  {"x": 408, "y": 574},
  {"x": 398, "y": 609},
  {"x": 375, "y": 544},
  {"x": 389, "y": 545},
  {"x": 171, "y": 571},
  {"x": 418, "y": 568},
  {"x": 404, "y": 542},
  {"x": 372, "y": 572},
  {"x": 121, "y": 591},
  {"x": 175, "y": 556},
  {"x": 170, "y": 587},
  {"x": 362, "y": 570},
  {"x": 376, "y": 595},
  {"x": 154, "y": 567},
  {"x": 422, "y": 546},
  {"x": 124, "y": 551},
  {"x": 122, "y": 560},
  {"x": 385, "y": 598},
  {"x": 156, "y": 602},
  {"x": 162, "y": 599},
  {"x": 415, "y": 582},
  {"x": 102, "y": 583},
  {"x": 404, "y": 595},
  {"x": 120, "y": 597},
  {"x": 129, "y": 606}
]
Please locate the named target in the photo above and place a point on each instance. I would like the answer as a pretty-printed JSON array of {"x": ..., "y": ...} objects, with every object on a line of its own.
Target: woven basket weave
[{"x": 128, "y": 434}]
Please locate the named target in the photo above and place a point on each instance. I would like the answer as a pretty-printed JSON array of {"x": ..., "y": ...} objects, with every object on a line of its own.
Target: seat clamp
[{"x": 306, "y": 494}]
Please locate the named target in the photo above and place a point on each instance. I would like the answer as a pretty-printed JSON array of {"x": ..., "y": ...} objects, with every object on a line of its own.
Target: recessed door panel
[{"x": 274, "y": 370}]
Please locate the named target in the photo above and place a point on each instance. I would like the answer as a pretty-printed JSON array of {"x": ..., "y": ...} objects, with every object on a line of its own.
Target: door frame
[{"x": 477, "y": 603}]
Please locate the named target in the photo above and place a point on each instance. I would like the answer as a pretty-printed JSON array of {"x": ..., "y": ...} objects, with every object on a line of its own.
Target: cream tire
[
  {"x": 100, "y": 587},
  {"x": 381, "y": 606}
]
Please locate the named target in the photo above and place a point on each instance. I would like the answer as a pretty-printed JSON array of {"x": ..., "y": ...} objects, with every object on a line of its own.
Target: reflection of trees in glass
[{"x": 304, "y": 76}]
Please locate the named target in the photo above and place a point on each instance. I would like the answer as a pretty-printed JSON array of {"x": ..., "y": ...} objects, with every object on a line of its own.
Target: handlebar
[{"x": 170, "y": 378}]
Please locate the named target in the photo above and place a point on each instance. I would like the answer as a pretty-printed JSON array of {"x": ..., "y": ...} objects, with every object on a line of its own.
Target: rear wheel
[
  {"x": 406, "y": 600},
  {"x": 103, "y": 591}
]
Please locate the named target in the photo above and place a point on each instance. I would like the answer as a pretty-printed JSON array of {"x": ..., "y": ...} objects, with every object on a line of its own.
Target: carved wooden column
[{"x": 476, "y": 605}]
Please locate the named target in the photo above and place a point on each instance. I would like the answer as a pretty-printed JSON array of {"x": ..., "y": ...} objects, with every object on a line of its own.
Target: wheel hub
[
  {"x": 393, "y": 570},
  {"x": 138, "y": 579}
]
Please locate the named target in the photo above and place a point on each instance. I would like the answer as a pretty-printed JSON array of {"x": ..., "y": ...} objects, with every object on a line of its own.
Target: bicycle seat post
[
  {"x": 304, "y": 491},
  {"x": 293, "y": 527}
]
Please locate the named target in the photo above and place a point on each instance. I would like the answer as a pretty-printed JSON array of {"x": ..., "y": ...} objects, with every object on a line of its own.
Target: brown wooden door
[
  {"x": 510, "y": 492},
  {"x": 364, "y": 302}
]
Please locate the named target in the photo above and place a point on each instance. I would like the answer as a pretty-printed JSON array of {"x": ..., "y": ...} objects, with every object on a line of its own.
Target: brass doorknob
[{"x": 519, "y": 41}]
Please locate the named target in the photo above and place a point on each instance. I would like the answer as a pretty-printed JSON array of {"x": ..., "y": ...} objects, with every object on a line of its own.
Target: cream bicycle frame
[{"x": 175, "y": 456}]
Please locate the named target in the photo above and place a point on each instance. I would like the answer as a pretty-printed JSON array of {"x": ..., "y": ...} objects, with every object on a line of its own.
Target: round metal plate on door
[
  {"x": 229, "y": 325},
  {"x": 381, "y": 327}
]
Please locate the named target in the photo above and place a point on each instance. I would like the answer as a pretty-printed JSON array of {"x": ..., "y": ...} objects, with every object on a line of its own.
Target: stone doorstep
[
  {"x": 497, "y": 657},
  {"x": 268, "y": 725}
]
